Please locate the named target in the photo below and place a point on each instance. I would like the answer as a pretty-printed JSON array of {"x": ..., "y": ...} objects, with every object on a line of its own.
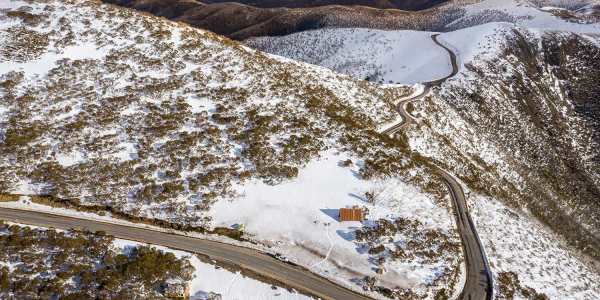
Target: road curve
[
  {"x": 407, "y": 119},
  {"x": 246, "y": 258},
  {"x": 453, "y": 61},
  {"x": 478, "y": 284}
]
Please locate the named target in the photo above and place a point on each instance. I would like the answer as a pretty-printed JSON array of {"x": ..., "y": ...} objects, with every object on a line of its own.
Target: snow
[
  {"x": 206, "y": 278},
  {"x": 530, "y": 16},
  {"x": 402, "y": 56},
  {"x": 70, "y": 159},
  {"x": 300, "y": 217},
  {"x": 417, "y": 89},
  {"x": 409, "y": 57},
  {"x": 222, "y": 67},
  {"x": 10, "y": 265},
  {"x": 477, "y": 41},
  {"x": 520, "y": 245},
  {"x": 126, "y": 151},
  {"x": 24, "y": 203},
  {"x": 525, "y": 246},
  {"x": 11, "y": 4},
  {"x": 47, "y": 61},
  {"x": 210, "y": 278}
]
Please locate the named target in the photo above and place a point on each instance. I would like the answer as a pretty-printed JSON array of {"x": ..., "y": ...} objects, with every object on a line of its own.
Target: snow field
[
  {"x": 300, "y": 217},
  {"x": 402, "y": 57}
]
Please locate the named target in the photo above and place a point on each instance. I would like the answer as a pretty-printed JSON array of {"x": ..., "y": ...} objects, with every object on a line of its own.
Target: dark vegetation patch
[
  {"x": 23, "y": 44},
  {"x": 406, "y": 240},
  {"x": 240, "y": 22},
  {"x": 397, "y": 4},
  {"x": 47, "y": 264},
  {"x": 510, "y": 288}
]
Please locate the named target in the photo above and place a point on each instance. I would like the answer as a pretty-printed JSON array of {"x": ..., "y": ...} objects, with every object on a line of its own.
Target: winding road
[
  {"x": 478, "y": 285},
  {"x": 407, "y": 119}
]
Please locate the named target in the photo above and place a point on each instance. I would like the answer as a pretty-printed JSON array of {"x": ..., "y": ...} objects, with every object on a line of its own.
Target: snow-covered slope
[
  {"x": 43, "y": 263},
  {"x": 519, "y": 124},
  {"x": 148, "y": 118},
  {"x": 376, "y": 55},
  {"x": 407, "y": 56},
  {"x": 527, "y": 14},
  {"x": 538, "y": 257}
]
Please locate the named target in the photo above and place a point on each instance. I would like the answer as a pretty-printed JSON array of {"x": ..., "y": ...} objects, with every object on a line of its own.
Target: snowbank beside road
[
  {"x": 209, "y": 278},
  {"x": 523, "y": 245}
]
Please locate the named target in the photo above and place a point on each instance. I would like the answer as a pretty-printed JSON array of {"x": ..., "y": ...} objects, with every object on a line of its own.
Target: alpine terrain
[{"x": 299, "y": 149}]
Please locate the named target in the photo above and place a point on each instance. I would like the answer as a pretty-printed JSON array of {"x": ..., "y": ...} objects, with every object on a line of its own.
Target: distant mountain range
[
  {"x": 239, "y": 21},
  {"x": 397, "y": 4}
]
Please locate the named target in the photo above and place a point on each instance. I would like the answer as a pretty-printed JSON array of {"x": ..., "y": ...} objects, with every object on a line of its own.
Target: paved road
[
  {"x": 478, "y": 284},
  {"x": 401, "y": 109},
  {"x": 255, "y": 261},
  {"x": 407, "y": 119},
  {"x": 453, "y": 61}
]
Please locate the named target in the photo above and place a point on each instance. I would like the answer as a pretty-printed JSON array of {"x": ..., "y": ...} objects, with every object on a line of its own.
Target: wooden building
[{"x": 352, "y": 214}]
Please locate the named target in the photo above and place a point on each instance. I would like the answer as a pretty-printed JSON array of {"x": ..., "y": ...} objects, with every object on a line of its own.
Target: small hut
[{"x": 352, "y": 214}]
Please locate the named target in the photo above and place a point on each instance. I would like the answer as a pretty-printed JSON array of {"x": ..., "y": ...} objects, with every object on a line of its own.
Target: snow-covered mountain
[
  {"x": 142, "y": 117},
  {"x": 518, "y": 124},
  {"x": 132, "y": 114},
  {"x": 407, "y": 56}
]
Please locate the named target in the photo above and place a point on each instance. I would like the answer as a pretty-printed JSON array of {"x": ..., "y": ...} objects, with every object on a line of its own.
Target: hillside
[
  {"x": 407, "y": 56},
  {"x": 400, "y": 57},
  {"x": 134, "y": 116},
  {"x": 397, "y": 4},
  {"x": 46, "y": 263},
  {"x": 239, "y": 21},
  {"x": 40, "y": 263},
  {"x": 518, "y": 125}
]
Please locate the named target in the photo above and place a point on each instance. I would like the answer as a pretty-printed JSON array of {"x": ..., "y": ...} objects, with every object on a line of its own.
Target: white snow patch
[
  {"x": 47, "y": 61},
  {"x": 71, "y": 158}
]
